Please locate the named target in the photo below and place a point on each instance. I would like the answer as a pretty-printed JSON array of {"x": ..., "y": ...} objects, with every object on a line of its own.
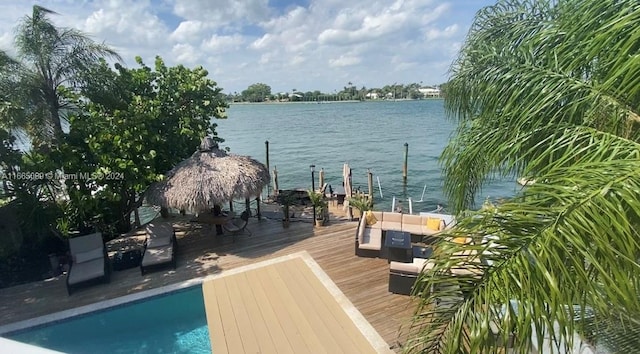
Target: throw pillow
[
  {"x": 95, "y": 253},
  {"x": 461, "y": 240},
  {"x": 434, "y": 224},
  {"x": 370, "y": 218}
]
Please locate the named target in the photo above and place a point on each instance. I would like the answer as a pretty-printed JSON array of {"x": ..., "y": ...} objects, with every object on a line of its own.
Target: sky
[{"x": 304, "y": 45}]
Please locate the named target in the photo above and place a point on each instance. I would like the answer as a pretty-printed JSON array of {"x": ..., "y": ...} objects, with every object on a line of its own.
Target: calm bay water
[{"x": 367, "y": 135}]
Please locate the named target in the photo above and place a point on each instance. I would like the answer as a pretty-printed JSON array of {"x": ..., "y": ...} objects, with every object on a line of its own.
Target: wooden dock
[{"x": 364, "y": 281}]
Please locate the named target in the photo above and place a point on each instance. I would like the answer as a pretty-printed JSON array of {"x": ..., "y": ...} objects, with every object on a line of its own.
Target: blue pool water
[{"x": 172, "y": 323}]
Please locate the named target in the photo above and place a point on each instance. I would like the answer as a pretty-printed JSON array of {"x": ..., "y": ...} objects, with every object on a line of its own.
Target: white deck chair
[{"x": 89, "y": 260}]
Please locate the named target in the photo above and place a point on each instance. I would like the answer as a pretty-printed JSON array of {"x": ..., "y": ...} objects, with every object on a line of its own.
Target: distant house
[
  {"x": 430, "y": 92},
  {"x": 372, "y": 95}
]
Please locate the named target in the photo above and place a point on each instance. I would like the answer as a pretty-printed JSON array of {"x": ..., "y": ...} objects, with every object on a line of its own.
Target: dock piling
[
  {"x": 370, "y": 184},
  {"x": 266, "y": 145},
  {"x": 406, "y": 159}
]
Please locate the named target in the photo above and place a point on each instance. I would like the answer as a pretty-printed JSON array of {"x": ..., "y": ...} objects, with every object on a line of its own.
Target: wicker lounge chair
[
  {"x": 89, "y": 261},
  {"x": 160, "y": 247}
]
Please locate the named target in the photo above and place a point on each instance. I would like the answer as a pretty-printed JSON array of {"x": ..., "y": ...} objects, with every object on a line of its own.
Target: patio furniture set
[
  {"x": 90, "y": 261},
  {"x": 403, "y": 239}
]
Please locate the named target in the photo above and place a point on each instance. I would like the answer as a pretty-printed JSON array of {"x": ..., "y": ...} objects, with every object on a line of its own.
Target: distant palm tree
[
  {"x": 50, "y": 58},
  {"x": 549, "y": 90}
]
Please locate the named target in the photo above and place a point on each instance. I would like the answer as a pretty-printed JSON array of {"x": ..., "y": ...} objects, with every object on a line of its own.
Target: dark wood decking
[{"x": 363, "y": 280}]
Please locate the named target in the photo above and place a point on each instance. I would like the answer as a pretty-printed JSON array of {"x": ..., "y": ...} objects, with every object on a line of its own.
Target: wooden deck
[
  {"x": 364, "y": 281},
  {"x": 284, "y": 305}
]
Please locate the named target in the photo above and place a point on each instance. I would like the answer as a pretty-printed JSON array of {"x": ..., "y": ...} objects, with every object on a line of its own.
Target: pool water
[{"x": 172, "y": 323}]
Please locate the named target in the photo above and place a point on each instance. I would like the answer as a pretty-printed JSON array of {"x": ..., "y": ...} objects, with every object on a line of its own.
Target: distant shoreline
[{"x": 343, "y": 101}]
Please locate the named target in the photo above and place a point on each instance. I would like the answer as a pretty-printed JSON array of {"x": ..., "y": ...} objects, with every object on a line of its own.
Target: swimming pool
[{"x": 170, "y": 323}]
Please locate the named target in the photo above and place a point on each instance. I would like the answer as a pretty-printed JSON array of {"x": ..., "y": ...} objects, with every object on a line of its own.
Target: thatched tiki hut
[{"x": 209, "y": 177}]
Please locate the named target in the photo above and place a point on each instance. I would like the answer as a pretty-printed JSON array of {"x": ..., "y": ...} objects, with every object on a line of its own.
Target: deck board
[
  {"x": 364, "y": 281},
  {"x": 314, "y": 321}
]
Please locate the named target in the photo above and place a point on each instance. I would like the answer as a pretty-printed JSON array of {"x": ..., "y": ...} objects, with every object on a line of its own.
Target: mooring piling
[
  {"x": 404, "y": 165},
  {"x": 266, "y": 146},
  {"x": 370, "y": 185}
]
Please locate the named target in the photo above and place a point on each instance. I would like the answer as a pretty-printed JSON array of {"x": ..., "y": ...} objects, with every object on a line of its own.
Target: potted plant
[
  {"x": 319, "y": 204},
  {"x": 361, "y": 202},
  {"x": 285, "y": 199}
]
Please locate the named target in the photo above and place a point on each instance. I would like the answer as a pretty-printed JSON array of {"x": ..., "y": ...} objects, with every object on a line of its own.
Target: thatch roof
[{"x": 210, "y": 176}]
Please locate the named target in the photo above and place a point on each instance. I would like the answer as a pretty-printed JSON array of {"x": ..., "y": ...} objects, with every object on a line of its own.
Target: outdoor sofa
[
  {"x": 160, "y": 246},
  {"x": 373, "y": 224},
  {"x": 89, "y": 261},
  {"x": 402, "y": 276}
]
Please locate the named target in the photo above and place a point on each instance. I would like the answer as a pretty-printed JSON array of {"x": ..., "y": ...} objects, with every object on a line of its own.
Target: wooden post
[
  {"x": 370, "y": 183},
  {"x": 136, "y": 215},
  {"x": 266, "y": 145},
  {"x": 247, "y": 205},
  {"x": 276, "y": 191},
  {"x": 258, "y": 208},
  {"x": 404, "y": 166},
  {"x": 231, "y": 205}
]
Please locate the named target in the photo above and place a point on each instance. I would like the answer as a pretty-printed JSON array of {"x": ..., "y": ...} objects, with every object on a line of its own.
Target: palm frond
[
  {"x": 562, "y": 248},
  {"x": 549, "y": 90},
  {"x": 52, "y": 57},
  {"x": 518, "y": 72}
]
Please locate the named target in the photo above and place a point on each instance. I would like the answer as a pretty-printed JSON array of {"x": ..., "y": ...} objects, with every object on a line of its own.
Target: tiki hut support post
[
  {"x": 275, "y": 181},
  {"x": 231, "y": 205},
  {"x": 258, "y": 208},
  {"x": 247, "y": 205}
]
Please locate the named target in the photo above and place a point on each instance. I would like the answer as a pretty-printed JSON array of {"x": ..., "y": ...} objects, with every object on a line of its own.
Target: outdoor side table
[
  {"x": 398, "y": 244},
  {"x": 126, "y": 259}
]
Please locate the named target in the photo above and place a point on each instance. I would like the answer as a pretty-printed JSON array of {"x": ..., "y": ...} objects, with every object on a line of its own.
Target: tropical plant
[
  {"x": 49, "y": 57},
  {"x": 361, "y": 202},
  {"x": 319, "y": 203},
  {"x": 135, "y": 125},
  {"x": 548, "y": 89}
]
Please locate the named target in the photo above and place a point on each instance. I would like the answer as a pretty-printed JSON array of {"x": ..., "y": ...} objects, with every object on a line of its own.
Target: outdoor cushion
[
  {"x": 371, "y": 240},
  {"x": 462, "y": 240},
  {"x": 95, "y": 253},
  {"x": 371, "y": 219},
  {"x": 85, "y": 243},
  {"x": 434, "y": 224},
  {"x": 392, "y": 221},
  {"x": 379, "y": 217},
  {"x": 157, "y": 242},
  {"x": 159, "y": 234},
  {"x": 161, "y": 229},
  {"x": 86, "y": 270},
  {"x": 412, "y": 268},
  {"x": 411, "y": 224},
  {"x": 448, "y": 220},
  {"x": 154, "y": 256}
]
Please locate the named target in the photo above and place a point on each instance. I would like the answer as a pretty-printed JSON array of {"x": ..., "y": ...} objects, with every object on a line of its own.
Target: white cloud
[
  {"x": 185, "y": 53},
  {"x": 344, "y": 60},
  {"x": 435, "y": 33},
  {"x": 218, "y": 43},
  {"x": 321, "y": 45},
  {"x": 187, "y": 31},
  {"x": 223, "y": 12}
]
